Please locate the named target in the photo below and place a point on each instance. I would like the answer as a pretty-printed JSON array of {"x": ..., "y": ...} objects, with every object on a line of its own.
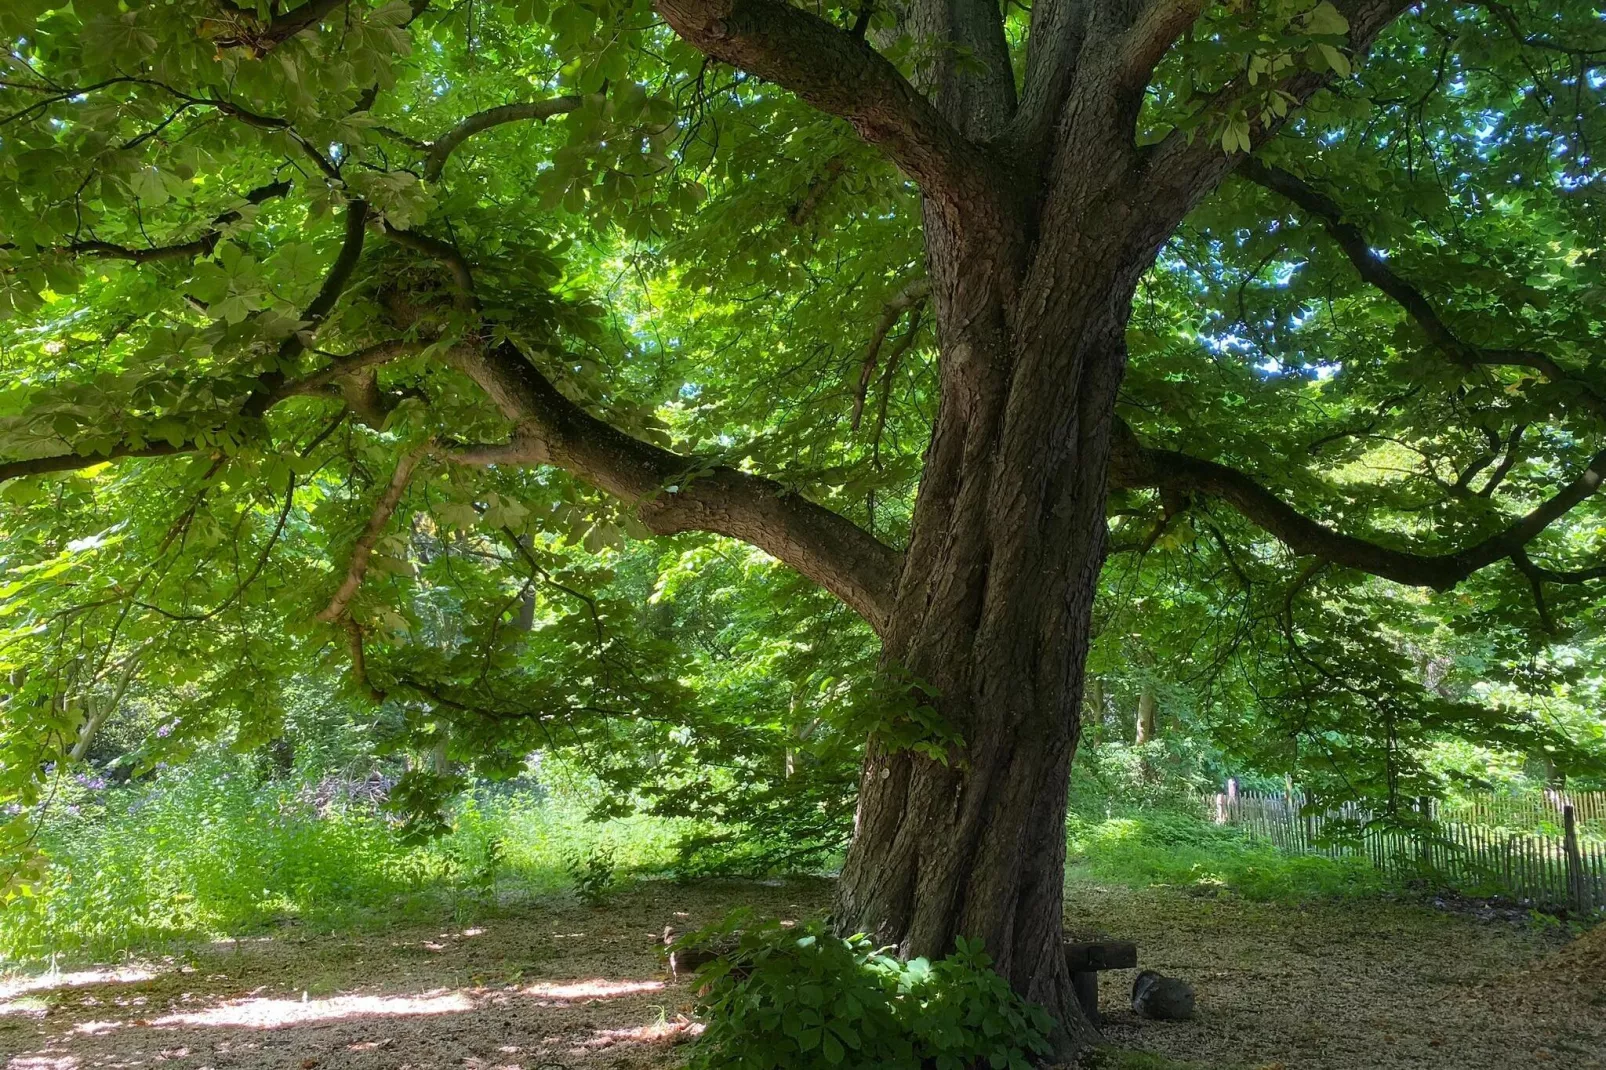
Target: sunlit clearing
[
  {"x": 16, "y": 986},
  {"x": 598, "y": 989},
  {"x": 277, "y": 1013},
  {"x": 43, "y": 1062}
]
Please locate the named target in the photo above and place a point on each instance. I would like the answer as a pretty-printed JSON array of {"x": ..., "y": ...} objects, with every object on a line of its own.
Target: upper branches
[
  {"x": 1377, "y": 272},
  {"x": 1183, "y": 168},
  {"x": 203, "y": 245},
  {"x": 245, "y": 30},
  {"x": 840, "y": 74},
  {"x": 448, "y": 142}
]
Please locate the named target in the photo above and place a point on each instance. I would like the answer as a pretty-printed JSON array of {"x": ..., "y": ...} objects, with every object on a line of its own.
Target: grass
[
  {"x": 1160, "y": 847},
  {"x": 212, "y": 851},
  {"x": 1123, "y": 1059}
]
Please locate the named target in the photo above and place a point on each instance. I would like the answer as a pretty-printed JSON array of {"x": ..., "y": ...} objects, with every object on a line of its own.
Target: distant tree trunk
[
  {"x": 1147, "y": 708},
  {"x": 95, "y": 712},
  {"x": 526, "y": 621},
  {"x": 1095, "y": 701},
  {"x": 97, "y": 708}
]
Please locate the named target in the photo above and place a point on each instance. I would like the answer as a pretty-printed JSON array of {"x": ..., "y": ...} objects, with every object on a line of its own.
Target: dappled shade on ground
[{"x": 555, "y": 984}]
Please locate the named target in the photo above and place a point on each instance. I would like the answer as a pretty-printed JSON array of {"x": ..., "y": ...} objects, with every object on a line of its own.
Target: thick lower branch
[
  {"x": 672, "y": 493},
  {"x": 363, "y": 550}
]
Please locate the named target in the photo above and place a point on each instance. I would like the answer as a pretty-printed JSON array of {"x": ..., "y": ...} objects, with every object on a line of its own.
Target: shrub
[
  {"x": 593, "y": 872},
  {"x": 801, "y": 998}
]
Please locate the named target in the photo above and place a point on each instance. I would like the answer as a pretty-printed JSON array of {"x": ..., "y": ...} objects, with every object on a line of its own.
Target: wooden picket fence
[{"x": 1547, "y": 849}]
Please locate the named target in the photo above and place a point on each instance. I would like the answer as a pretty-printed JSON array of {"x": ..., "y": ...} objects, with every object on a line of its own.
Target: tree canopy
[{"x": 562, "y": 375}]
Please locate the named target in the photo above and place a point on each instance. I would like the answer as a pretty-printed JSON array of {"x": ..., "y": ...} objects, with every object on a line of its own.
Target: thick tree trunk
[{"x": 994, "y": 613}]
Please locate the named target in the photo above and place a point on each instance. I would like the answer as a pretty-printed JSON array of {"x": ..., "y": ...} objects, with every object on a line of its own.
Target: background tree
[{"x": 401, "y": 289}]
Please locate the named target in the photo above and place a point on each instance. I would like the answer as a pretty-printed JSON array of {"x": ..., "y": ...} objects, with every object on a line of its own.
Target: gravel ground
[{"x": 557, "y": 984}]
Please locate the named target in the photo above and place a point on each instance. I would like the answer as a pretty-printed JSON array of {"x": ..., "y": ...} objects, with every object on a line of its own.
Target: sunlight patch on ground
[
  {"x": 92, "y": 1029},
  {"x": 43, "y": 1062},
  {"x": 12, "y": 987},
  {"x": 596, "y": 989},
  {"x": 278, "y": 1013},
  {"x": 669, "y": 1032}
]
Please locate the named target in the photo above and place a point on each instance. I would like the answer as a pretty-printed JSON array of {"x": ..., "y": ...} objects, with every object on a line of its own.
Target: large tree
[{"x": 275, "y": 242}]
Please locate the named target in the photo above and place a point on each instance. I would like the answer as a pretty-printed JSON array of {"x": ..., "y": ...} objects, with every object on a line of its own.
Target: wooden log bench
[{"x": 1086, "y": 958}]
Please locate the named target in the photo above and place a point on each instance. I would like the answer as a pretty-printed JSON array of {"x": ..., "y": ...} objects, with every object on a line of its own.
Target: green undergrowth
[
  {"x": 213, "y": 851},
  {"x": 1168, "y": 847},
  {"x": 801, "y": 998}
]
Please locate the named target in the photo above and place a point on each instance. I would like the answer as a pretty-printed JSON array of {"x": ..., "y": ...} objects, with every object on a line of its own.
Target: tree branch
[
  {"x": 314, "y": 385},
  {"x": 1135, "y": 465},
  {"x": 1156, "y": 27},
  {"x": 672, "y": 493},
  {"x": 364, "y": 359},
  {"x": 831, "y": 70},
  {"x": 363, "y": 549},
  {"x": 911, "y": 295},
  {"x": 1055, "y": 33},
  {"x": 1377, "y": 272},
  {"x": 262, "y": 38},
  {"x": 334, "y": 284},
  {"x": 72, "y": 462},
  {"x": 819, "y": 185},
  {"x": 200, "y": 246},
  {"x": 1183, "y": 167},
  {"x": 448, "y": 142}
]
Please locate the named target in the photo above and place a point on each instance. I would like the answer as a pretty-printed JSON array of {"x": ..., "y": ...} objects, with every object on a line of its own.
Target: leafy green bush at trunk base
[{"x": 801, "y": 998}]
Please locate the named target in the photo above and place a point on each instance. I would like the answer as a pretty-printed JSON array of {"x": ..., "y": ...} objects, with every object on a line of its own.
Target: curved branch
[
  {"x": 334, "y": 284},
  {"x": 363, "y": 359},
  {"x": 363, "y": 550},
  {"x": 262, "y": 38},
  {"x": 672, "y": 493},
  {"x": 1378, "y": 273},
  {"x": 448, "y": 142},
  {"x": 201, "y": 246},
  {"x": 1135, "y": 465},
  {"x": 910, "y": 296},
  {"x": 1183, "y": 168},
  {"x": 833, "y": 71}
]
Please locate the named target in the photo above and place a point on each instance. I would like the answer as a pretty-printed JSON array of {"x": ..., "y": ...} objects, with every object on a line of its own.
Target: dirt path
[
  {"x": 562, "y": 985},
  {"x": 1341, "y": 986}
]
